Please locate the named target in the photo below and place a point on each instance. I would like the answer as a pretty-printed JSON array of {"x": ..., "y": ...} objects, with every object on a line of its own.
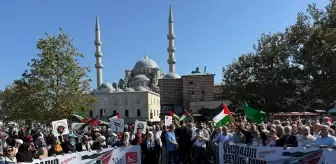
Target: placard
[
  {"x": 142, "y": 125},
  {"x": 168, "y": 120},
  {"x": 60, "y": 127},
  {"x": 78, "y": 129},
  {"x": 117, "y": 125}
]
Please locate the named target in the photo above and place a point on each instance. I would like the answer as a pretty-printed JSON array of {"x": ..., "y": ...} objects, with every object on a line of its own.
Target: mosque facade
[{"x": 136, "y": 96}]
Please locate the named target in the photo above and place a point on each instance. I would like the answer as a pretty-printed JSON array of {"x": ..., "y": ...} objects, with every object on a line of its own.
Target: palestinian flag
[
  {"x": 77, "y": 117},
  {"x": 186, "y": 116},
  {"x": 94, "y": 122},
  {"x": 223, "y": 117},
  {"x": 174, "y": 116},
  {"x": 117, "y": 116}
]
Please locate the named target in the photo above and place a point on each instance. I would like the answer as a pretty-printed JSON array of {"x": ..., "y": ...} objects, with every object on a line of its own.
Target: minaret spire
[
  {"x": 171, "y": 37},
  {"x": 98, "y": 54}
]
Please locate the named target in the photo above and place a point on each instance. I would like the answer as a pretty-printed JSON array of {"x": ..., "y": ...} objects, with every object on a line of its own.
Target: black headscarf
[{"x": 23, "y": 155}]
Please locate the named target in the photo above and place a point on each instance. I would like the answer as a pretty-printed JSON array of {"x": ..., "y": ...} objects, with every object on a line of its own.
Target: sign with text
[{"x": 242, "y": 154}]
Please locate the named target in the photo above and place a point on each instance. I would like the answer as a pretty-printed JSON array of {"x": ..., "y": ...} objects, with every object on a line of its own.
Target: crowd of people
[{"x": 181, "y": 142}]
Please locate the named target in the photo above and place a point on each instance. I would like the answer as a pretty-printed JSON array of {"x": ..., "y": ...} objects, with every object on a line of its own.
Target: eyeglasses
[{"x": 10, "y": 150}]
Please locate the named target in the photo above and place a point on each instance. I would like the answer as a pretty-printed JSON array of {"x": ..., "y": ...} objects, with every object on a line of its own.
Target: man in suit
[
  {"x": 84, "y": 145},
  {"x": 288, "y": 140},
  {"x": 184, "y": 135}
]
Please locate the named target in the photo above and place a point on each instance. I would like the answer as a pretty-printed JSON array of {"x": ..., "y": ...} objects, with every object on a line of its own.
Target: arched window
[
  {"x": 138, "y": 100},
  {"x": 151, "y": 115},
  {"x": 126, "y": 101},
  {"x": 139, "y": 113}
]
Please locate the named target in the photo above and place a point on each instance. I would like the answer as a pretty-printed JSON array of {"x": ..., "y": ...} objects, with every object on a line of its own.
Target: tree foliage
[
  {"x": 292, "y": 70},
  {"x": 55, "y": 85}
]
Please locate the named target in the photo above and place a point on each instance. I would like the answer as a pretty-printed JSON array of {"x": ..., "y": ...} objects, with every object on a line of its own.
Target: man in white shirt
[{"x": 201, "y": 136}]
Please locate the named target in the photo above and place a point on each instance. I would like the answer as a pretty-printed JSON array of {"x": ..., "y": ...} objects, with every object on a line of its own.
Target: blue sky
[{"x": 208, "y": 32}]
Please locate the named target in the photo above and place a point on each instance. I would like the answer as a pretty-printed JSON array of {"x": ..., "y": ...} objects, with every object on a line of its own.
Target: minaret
[
  {"x": 98, "y": 54},
  {"x": 171, "y": 36}
]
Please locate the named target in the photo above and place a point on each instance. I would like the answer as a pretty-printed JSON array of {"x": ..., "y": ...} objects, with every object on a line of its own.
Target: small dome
[
  {"x": 106, "y": 86},
  {"x": 140, "y": 88},
  {"x": 172, "y": 76},
  {"x": 140, "y": 78},
  {"x": 146, "y": 63},
  {"x": 129, "y": 90},
  {"x": 119, "y": 90}
]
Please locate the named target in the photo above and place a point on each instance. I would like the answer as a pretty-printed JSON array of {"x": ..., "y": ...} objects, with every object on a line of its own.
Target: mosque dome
[
  {"x": 105, "y": 86},
  {"x": 129, "y": 90},
  {"x": 140, "y": 77},
  {"x": 172, "y": 76},
  {"x": 140, "y": 88},
  {"x": 146, "y": 63}
]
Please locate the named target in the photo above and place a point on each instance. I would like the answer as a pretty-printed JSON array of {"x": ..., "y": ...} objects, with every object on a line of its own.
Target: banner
[
  {"x": 120, "y": 155},
  {"x": 242, "y": 154}
]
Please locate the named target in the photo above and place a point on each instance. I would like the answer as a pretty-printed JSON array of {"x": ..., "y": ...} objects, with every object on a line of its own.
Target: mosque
[{"x": 136, "y": 97}]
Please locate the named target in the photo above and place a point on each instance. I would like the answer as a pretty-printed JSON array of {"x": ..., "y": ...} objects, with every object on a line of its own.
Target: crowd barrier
[
  {"x": 120, "y": 155},
  {"x": 242, "y": 154}
]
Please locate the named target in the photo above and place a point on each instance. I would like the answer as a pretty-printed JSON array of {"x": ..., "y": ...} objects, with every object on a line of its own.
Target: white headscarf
[{"x": 150, "y": 141}]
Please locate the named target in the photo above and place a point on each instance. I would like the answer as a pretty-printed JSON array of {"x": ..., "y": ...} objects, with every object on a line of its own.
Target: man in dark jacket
[
  {"x": 184, "y": 135},
  {"x": 288, "y": 140}
]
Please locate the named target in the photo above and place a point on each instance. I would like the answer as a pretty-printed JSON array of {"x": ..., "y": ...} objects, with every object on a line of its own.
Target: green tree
[
  {"x": 288, "y": 70},
  {"x": 58, "y": 84}
]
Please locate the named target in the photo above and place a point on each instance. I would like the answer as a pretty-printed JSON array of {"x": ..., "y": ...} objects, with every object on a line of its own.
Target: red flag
[
  {"x": 330, "y": 119},
  {"x": 117, "y": 116},
  {"x": 227, "y": 111}
]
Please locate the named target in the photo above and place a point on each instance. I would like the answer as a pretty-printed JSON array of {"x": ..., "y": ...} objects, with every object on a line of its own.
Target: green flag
[{"x": 254, "y": 115}]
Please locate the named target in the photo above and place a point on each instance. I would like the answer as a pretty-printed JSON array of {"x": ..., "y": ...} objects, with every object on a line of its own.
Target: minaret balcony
[
  {"x": 97, "y": 43},
  {"x": 171, "y": 49},
  {"x": 98, "y": 54},
  {"x": 171, "y": 36},
  {"x": 99, "y": 66},
  {"x": 171, "y": 61}
]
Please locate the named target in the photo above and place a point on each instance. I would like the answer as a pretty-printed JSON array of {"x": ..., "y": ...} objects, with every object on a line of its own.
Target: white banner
[
  {"x": 168, "y": 120},
  {"x": 120, "y": 155},
  {"x": 242, "y": 154},
  {"x": 141, "y": 125},
  {"x": 117, "y": 124}
]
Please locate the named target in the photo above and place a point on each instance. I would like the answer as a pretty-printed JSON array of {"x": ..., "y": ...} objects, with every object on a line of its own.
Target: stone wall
[{"x": 197, "y": 88}]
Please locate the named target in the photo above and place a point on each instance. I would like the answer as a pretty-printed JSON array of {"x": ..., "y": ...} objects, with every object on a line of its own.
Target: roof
[
  {"x": 129, "y": 90},
  {"x": 108, "y": 86},
  {"x": 140, "y": 77},
  {"x": 172, "y": 75},
  {"x": 146, "y": 63},
  {"x": 200, "y": 74}
]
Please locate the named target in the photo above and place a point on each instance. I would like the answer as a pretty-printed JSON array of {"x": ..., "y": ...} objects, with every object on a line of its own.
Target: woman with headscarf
[
  {"x": 56, "y": 148},
  {"x": 151, "y": 149},
  {"x": 112, "y": 139},
  {"x": 125, "y": 140},
  {"x": 41, "y": 146},
  {"x": 23, "y": 154},
  {"x": 29, "y": 140},
  {"x": 69, "y": 144},
  {"x": 99, "y": 143},
  {"x": 10, "y": 155},
  {"x": 18, "y": 142},
  {"x": 138, "y": 138}
]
